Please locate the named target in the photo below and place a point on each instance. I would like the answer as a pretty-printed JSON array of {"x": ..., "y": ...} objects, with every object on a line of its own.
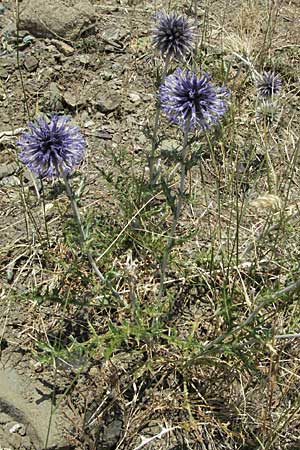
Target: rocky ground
[{"x": 93, "y": 61}]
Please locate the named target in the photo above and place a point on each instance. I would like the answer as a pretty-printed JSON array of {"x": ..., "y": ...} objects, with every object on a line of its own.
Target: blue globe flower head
[
  {"x": 51, "y": 148},
  {"x": 268, "y": 84},
  {"x": 192, "y": 102},
  {"x": 173, "y": 35}
]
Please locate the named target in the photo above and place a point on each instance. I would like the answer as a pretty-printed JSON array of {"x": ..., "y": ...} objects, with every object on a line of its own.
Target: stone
[
  {"x": 54, "y": 98},
  {"x": 88, "y": 124},
  {"x": 15, "y": 427},
  {"x": 4, "y": 418},
  {"x": 84, "y": 59},
  {"x": 135, "y": 98},
  {"x": 31, "y": 63},
  {"x": 56, "y": 19},
  {"x": 15, "y": 440},
  {"x": 107, "y": 75},
  {"x": 114, "y": 35},
  {"x": 9, "y": 63},
  {"x": 72, "y": 100},
  {"x": 107, "y": 103},
  {"x": 11, "y": 180},
  {"x": 64, "y": 48},
  {"x": 3, "y": 73}
]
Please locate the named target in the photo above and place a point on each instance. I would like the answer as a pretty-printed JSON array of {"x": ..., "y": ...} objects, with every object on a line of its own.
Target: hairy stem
[
  {"x": 177, "y": 213},
  {"x": 44, "y": 212},
  {"x": 83, "y": 237},
  {"x": 151, "y": 157}
]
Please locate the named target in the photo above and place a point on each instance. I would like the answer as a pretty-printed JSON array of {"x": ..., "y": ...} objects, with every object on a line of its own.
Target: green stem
[
  {"x": 151, "y": 157},
  {"x": 44, "y": 211},
  {"x": 177, "y": 213},
  {"x": 83, "y": 237}
]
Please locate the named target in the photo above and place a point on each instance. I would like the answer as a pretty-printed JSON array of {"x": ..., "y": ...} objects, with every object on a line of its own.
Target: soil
[{"x": 105, "y": 81}]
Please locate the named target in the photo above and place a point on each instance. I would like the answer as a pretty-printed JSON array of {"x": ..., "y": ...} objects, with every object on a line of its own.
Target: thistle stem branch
[
  {"x": 83, "y": 237},
  {"x": 177, "y": 213},
  {"x": 151, "y": 157}
]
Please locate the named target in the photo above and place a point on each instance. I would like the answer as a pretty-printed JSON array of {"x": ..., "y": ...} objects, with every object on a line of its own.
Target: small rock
[
  {"x": 94, "y": 371},
  {"x": 102, "y": 134},
  {"x": 71, "y": 100},
  {"x": 111, "y": 432},
  {"x": 64, "y": 48},
  {"x": 4, "y": 418},
  {"x": 135, "y": 98},
  {"x": 84, "y": 59},
  {"x": 26, "y": 443},
  {"x": 3, "y": 73},
  {"x": 15, "y": 441},
  {"x": 107, "y": 75},
  {"x": 22, "y": 430},
  {"x": 88, "y": 124},
  {"x": 7, "y": 169},
  {"x": 118, "y": 68},
  {"x": 9, "y": 63},
  {"x": 55, "y": 98},
  {"x": 114, "y": 35},
  {"x": 31, "y": 63},
  {"x": 11, "y": 180},
  {"x": 38, "y": 368},
  {"x": 84, "y": 116},
  {"x": 107, "y": 104},
  {"x": 16, "y": 427}
]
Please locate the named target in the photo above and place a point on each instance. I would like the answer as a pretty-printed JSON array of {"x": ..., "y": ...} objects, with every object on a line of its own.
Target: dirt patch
[{"x": 29, "y": 418}]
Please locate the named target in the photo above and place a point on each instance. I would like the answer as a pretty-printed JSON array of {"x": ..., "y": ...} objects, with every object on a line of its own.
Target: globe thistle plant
[
  {"x": 192, "y": 102},
  {"x": 51, "y": 148},
  {"x": 173, "y": 35},
  {"x": 268, "y": 84}
]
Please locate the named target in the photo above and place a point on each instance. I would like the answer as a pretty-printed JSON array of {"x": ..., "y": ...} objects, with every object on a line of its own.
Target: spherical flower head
[
  {"x": 173, "y": 35},
  {"x": 51, "y": 148},
  {"x": 192, "y": 102},
  {"x": 268, "y": 84},
  {"x": 268, "y": 112}
]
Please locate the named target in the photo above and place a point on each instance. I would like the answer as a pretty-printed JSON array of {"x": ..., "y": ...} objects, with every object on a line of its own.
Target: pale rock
[
  {"x": 56, "y": 19},
  {"x": 64, "y": 48}
]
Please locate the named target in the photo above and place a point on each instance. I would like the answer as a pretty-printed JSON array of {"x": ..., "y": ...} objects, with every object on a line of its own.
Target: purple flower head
[
  {"x": 268, "y": 84},
  {"x": 173, "y": 35},
  {"x": 192, "y": 102},
  {"x": 51, "y": 148}
]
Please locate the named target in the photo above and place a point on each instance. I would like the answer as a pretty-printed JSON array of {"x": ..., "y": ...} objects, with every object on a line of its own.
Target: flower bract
[
  {"x": 268, "y": 84},
  {"x": 51, "y": 148},
  {"x": 192, "y": 102},
  {"x": 173, "y": 35},
  {"x": 268, "y": 112}
]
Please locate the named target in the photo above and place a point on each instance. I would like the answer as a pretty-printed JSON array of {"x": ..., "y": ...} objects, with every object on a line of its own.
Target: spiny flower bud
[{"x": 173, "y": 35}]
